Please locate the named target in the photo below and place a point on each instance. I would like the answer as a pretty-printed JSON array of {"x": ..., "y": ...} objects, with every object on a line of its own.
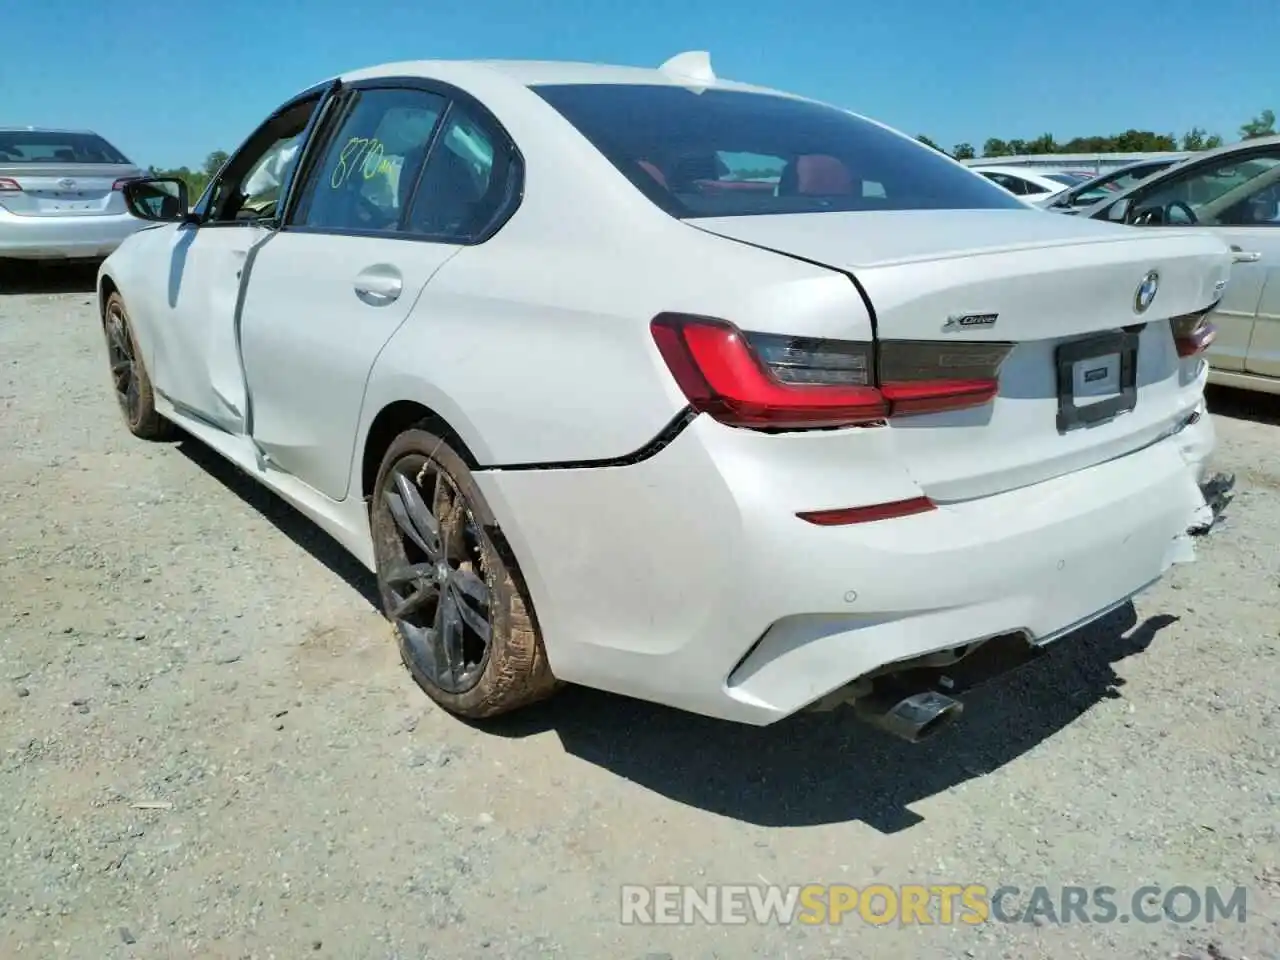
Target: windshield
[
  {"x": 1114, "y": 182},
  {"x": 41, "y": 146},
  {"x": 722, "y": 153}
]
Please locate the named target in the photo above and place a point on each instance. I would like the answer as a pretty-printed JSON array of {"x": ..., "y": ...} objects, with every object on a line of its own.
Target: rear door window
[
  {"x": 41, "y": 146},
  {"x": 720, "y": 152},
  {"x": 1012, "y": 184},
  {"x": 470, "y": 181}
]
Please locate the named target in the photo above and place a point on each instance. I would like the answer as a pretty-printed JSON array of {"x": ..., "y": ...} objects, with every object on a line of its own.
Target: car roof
[
  {"x": 1013, "y": 170},
  {"x": 527, "y": 73},
  {"x": 45, "y": 130}
]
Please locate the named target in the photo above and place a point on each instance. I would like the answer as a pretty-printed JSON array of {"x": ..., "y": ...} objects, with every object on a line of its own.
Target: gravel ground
[{"x": 208, "y": 747}]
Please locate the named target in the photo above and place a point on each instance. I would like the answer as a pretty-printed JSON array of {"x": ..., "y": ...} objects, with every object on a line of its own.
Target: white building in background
[{"x": 1094, "y": 162}]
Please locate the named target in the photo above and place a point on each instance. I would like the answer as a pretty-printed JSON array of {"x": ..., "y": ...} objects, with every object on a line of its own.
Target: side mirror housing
[
  {"x": 157, "y": 199},
  {"x": 1119, "y": 211}
]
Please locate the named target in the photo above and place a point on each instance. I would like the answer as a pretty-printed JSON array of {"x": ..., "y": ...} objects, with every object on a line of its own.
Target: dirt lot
[{"x": 208, "y": 747}]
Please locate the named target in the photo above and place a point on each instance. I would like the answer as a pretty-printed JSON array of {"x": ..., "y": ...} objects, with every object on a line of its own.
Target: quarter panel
[{"x": 541, "y": 345}]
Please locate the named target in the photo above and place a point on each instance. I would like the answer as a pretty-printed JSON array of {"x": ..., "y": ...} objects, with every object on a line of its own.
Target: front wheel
[
  {"x": 129, "y": 376},
  {"x": 462, "y": 618}
]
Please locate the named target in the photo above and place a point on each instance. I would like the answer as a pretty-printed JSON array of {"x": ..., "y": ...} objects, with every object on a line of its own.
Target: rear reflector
[
  {"x": 8, "y": 185},
  {"x": 766, "y": 380},
  {"x": 1193, "y": 333},
  {"x": 879, "y": 511}
]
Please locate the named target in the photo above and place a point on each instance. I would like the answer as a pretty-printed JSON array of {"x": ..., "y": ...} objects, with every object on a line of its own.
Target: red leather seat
[{"x": 821, "y": 175}]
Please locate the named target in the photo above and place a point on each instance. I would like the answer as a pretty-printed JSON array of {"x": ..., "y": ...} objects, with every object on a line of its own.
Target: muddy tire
[
  {"x": 129, "y": 377},
  {"x": 450, "y": 586}
]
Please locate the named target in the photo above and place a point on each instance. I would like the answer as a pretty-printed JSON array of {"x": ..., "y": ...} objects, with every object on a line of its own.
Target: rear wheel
[
  {"x": 461, "y": 614},
  {"x": 129, "y": 376}
]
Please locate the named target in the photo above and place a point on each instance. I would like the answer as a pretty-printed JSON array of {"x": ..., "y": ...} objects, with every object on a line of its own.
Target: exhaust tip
[{"x": 916, "y": 717}]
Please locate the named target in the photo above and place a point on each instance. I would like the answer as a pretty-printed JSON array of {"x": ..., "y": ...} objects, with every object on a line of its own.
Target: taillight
[
  {"x": 802, "y": 383},
  {"x": 1193, "y": 333},
  {"x": 8, "y": 185},
  {"x": 119, "y": 184},
  {"x": 847, "y": 516},
  {"x": 927, "y": 376},
  {"x": 766, "y": 380}
]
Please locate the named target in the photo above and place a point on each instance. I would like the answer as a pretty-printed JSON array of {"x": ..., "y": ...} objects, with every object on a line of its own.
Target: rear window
[
  {"x": 722, "y": 153},
  {"x": 1070, "y": 179},
  {"x": 37, "y": 146}
]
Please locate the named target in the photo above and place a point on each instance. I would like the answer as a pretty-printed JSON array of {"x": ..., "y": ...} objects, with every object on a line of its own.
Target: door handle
[
  {"x": 1244, "y": 256},
  {"x": 379, "y": 285}
]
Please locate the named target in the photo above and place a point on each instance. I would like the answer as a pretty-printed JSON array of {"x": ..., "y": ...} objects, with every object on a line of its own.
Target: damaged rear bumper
[{"x": 1197, "y": 440}]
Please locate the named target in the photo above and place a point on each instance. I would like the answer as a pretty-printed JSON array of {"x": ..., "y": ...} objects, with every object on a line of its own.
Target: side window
[
  {"x": 367, "y": 173},
  {"x": 1027, "y": 187},
  {"x": 250, "y": 185},
  {"x": 1012, "y": 184},
  {"x": 1234, "y": 191},
  {"x": 468, "y": 181}
]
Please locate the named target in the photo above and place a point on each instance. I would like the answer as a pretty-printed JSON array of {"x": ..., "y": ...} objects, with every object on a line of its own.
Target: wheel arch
[
  {"x": 393, "y": 419},
  {"x": 106, "y": 287}
]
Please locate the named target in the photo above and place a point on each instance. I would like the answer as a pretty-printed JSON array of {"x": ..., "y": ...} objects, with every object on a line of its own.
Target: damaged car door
[
  {"x": 405, "y": 178},
  {"x": 198, "y": 364}
]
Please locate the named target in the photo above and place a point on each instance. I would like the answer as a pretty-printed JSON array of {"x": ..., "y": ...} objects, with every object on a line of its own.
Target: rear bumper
[
  {"x": 64, "y": 238},
  {"x": 687, "y": 580}
]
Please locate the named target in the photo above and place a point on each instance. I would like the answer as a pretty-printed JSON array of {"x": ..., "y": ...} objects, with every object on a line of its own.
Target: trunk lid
[
  {"x": 53, "y": 189},
  {"x": 1062, "y": 290}
]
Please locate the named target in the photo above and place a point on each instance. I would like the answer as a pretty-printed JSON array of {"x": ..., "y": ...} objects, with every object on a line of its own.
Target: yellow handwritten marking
[{"x": 363, "y": 153}]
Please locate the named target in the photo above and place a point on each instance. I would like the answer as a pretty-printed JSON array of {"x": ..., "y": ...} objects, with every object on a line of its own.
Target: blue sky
[{"x": 169, "y": 82}]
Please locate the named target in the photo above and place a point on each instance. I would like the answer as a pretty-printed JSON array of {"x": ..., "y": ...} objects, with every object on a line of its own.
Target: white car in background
[
  {"x": 1231, "y": 193},
  {"x": 60, "y": 195},
  {"x": 1107, "y": 184},
  {"x": 1035, "y": 186},
  {"x": 595, "y": 408}
]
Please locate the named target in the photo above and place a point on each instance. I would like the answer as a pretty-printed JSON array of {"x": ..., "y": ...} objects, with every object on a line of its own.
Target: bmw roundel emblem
[{"x": 1146, "y": 291}]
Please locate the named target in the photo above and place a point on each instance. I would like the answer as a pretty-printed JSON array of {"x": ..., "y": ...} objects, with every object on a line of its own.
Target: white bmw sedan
[{"x": 680, "y": 388}]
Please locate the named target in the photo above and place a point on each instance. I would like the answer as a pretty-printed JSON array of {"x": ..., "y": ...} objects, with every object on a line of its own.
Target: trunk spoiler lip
[
  {"x": 1165, "y": 234},
  {"x": 846, "y": 271}
]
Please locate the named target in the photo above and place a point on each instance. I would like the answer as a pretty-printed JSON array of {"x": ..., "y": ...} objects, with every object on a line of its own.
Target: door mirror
[
  {"x": 1118, "y": 212},
  {"x": 157, "y": 199}
]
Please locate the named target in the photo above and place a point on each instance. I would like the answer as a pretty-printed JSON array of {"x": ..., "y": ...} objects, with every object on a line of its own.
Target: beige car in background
[{"x": 1234, "y": 192}]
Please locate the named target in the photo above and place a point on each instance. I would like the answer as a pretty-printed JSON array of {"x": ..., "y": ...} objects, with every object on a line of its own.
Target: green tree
[
  {"x": 1193, "y": 139},
  {"x": 929, "y": 143},
  {"x": 1263, "y": 125},
  {"x": 213, "y": 163},
  {"x": 1043, "y": 144},
  {"x": 995, "y": 148},
  {"x": 1212, "y": 142},
  {"x": 963, "y": 151}
]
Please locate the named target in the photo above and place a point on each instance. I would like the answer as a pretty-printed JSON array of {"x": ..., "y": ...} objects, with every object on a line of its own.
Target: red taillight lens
[
  {"x": 1193, "y": 333},
  {"x": 771, "y": 380},
  {"x": 8, "y": 185},
  {"x": 809, "y": 383},
  {"x": 845, "y": 516},
  {"x": 119, "y": 184},
  {"x": 926, "y": 376}
]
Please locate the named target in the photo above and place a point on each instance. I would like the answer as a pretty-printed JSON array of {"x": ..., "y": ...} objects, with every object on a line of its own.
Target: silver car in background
[
  {"x": 1108, "y": 183},
  {"x": 60, "y": 195}
]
